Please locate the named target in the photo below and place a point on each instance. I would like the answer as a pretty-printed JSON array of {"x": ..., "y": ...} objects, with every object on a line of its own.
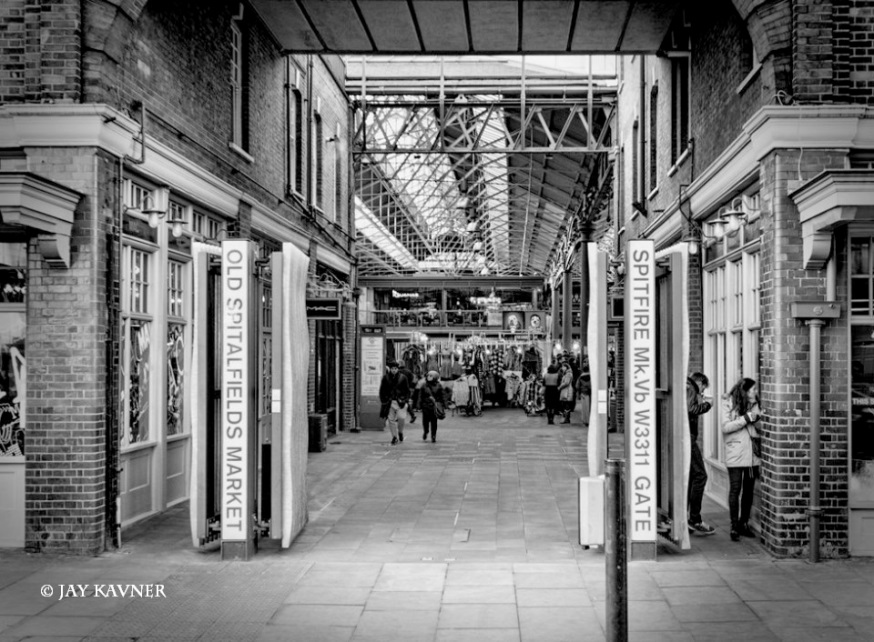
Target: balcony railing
[{"x": 428, "y": 318}]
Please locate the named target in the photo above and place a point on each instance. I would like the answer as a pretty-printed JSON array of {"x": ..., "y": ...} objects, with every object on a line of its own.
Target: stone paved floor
[{"x": 471, "y": 538}]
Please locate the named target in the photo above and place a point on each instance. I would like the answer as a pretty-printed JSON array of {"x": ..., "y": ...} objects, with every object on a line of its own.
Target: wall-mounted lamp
[
  {"x": 155, "y": 205},
  {"x": 262, "y": 268},
  {"x": 717, "y": 228},
  {"x": 693, "y": 238},
  {"x": 733, "y": 216}
]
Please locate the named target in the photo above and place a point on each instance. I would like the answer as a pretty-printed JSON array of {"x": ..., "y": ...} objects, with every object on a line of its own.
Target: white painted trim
[
  {"x": 332, "y": 259},
  {"x": 100, "y": 126},
  {"x": 242, "y": 153},
  {"x": 771, "y": 127},
  {"x": 749, "y": 78},
  {"x": 272, "y": 225}
]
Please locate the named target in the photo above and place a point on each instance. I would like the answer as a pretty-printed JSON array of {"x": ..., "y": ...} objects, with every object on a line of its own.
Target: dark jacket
[
  {"x": 695, "y": 405},
  {"x": 430, "y": 394},
  {"x": 394, "y": 388}
]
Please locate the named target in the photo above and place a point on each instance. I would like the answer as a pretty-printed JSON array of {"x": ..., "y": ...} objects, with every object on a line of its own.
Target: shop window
[
  {"x": 136, "y": 367},
  {"x": 206, "y": 226},
  {"x": 13, "y": 382},
  {"x": 861, "y": 274},
  {"x": 175, "y": 347},
  {"x": 732, "y": 321}
]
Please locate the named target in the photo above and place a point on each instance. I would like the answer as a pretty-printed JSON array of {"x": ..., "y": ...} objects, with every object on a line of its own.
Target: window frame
[
  {"x": 294, "y": 127},
  {"x": 732, "y": 331},
  {"x": 681, "y": 107}
]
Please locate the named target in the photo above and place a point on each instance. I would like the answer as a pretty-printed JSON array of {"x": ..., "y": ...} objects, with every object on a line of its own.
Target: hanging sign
[
  {"x": 640, "y": 335},
  {"x": 324, "y": 309}
]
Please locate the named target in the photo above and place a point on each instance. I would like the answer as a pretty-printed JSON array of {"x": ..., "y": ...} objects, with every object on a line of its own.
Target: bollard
[{"x": 615, "y": 552}]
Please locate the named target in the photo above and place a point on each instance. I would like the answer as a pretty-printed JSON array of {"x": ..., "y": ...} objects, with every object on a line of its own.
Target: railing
[{"x": 428, "y": 318}]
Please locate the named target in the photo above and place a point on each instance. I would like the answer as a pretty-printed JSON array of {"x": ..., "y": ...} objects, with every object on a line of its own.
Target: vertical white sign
[
  {"x": 640, "y": 336},
  {"x": 236, "y": 382}
]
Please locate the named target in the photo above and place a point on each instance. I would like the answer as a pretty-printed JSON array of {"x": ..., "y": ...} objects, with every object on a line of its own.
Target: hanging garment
[{"x": 460, "y": 392}]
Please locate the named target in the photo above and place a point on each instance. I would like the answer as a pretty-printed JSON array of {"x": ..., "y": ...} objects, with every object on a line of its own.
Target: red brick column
[{"x": 785, "y": 374}]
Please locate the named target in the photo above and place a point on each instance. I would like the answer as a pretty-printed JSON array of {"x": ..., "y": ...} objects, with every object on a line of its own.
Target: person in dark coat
[
  {"x": 411, "y": 380},
  {"x": 394, "y": 393},
  {"x": 550, "y": 392},
  {"x": 697, "y": 405},
  {"x": 430, "y": 394}
]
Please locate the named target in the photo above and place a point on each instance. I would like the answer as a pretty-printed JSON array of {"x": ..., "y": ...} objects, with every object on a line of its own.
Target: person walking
[
  {"x": 566, "y": 392},
  {"x": 741, "y": 412},
  {"x": 584, "y": 394},
  {"x": 430, "y": 395},
  {"x": 550, "y": 392},
  {"x": 394, "y": 393},
  {"x": 697, "y": 405},
  {"x": 413, "y": 383}
]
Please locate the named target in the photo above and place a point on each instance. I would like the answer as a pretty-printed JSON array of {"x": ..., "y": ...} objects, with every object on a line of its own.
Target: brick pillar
[
  {"x": 348, "y": 370},
  {"x": 785, "y": 374},
  {"x": 65, "y": 477},
  {"x": 695, "y": 319}
]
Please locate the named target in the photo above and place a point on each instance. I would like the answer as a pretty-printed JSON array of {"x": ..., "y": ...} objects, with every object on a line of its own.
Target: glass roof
[{"x": 474, "y": 165}]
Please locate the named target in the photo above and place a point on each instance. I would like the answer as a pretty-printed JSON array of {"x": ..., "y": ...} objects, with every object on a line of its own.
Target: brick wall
[
  {"x": 785, "y": 373},
  {"x": 39, "y": 47},
  {"x": 348, "y": 369},
  {"x": 695, "y": 310},
  {"x": 65, "y": 477}
]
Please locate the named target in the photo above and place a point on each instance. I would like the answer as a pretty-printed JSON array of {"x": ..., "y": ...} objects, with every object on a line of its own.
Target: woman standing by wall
[{"x": 741, "y": 411}]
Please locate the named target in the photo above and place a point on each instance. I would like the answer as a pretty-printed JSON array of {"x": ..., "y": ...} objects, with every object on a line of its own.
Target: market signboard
[{"x": 640, "y": 334}]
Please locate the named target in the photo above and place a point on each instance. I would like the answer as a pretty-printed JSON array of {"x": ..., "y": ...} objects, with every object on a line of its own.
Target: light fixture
[
  {"x": 717, "y": 226},
  {"x": 153, "y": 205},
  {"x": 691, "y": 238},
  {"x": 733, "y": 216}
]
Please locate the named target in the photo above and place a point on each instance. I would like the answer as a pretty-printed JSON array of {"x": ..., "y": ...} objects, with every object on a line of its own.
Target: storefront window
[
  {"x": 13, "y": 291},
  {"x": 732, "y": 322},
  {"x": 862, "y": 417},
  {"x": 861, "y": 269}
]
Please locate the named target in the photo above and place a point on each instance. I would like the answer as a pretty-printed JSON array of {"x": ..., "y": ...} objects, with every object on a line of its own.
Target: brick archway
[
  {"x": 769, "y": 24},
  {"x": 107, "y": 26}
]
